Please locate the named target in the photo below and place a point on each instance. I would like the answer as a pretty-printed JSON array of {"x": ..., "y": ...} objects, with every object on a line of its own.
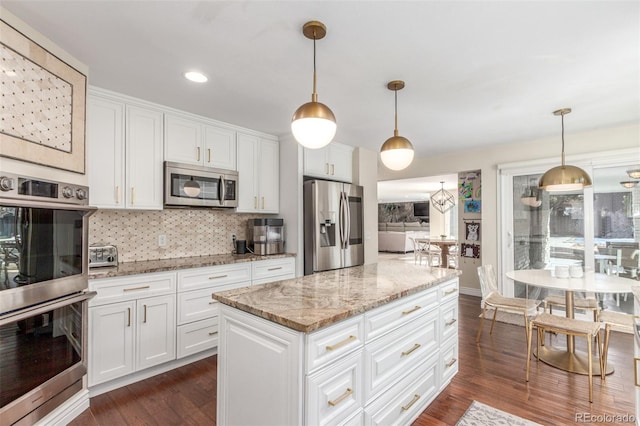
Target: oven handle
[{"x": 46, "y": 307}]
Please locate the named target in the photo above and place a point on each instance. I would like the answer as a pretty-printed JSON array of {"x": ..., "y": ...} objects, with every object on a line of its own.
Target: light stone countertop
[
  {"x": 308, "y": 303},
  {"x": 162, "y": 265}
]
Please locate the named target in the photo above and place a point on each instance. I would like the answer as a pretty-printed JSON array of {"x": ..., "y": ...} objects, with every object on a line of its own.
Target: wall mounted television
[{"x": 421, "y": 210}]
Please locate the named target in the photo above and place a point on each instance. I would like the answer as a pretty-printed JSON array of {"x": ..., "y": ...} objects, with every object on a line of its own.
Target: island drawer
[
  {"x": 387, "y": 358},
  {"x": 213, "y": 276},
  {"x": 448, "y": 291},
  {"x": 335, "y": 393},
  {"x": 120, "y": 289},
  {"x": 406, "y": 399},
  {"x": 330, "y": 343},
  {"x": 264, "y": 271},
  {"x": 448, "y": 361},
  {"x": 448, "y": 320},
  {"x": 395, "y": 314},
  {"x": 197, "y": 336}
]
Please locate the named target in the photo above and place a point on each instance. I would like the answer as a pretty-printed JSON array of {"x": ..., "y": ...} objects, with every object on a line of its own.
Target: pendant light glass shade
[
  {"x": 634, "y": 173},
  {"x": 396, "y": 152},
  {"x": 313, "y": 124},
  {"x": 564, "y": 177}
]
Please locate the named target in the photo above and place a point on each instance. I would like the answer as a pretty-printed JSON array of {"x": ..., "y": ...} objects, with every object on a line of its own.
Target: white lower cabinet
[
  {"x": 383, "y": 367},
  {"x": 130, "y": 336},
  {"x": 197, "y": 336}
]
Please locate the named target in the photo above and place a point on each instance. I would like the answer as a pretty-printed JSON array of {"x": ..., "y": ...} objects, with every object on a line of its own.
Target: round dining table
[
  {"x": 568, "y": 358},
  {"x": 443, "y": 243}
]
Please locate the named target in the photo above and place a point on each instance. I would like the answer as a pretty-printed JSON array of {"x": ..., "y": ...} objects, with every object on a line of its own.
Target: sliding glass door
[{"x": 597, "y": 228}]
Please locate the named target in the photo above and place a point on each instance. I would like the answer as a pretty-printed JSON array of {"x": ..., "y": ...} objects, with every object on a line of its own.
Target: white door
[
  {"x": 182, "y": 140},
  {"x": 247, "y": 173},
  {"x": 219, "y": 148},
  {"x": 269, "y": 177},
  {"x": 156, "y": 338}
]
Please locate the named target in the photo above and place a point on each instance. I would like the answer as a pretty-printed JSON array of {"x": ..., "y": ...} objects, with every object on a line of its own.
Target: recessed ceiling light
[{"x": 195, "y": 76}]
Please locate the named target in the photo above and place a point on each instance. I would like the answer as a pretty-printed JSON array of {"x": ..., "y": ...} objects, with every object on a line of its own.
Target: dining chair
[
  {"x": 589, "y": 303},
  {"x": 419, "y": 250},
  {"x": 453, "y": 257},
  {"x": 617, "y": 321},
  {"x": 570, "y": 327},
  {"x": 491, "y": 298}
]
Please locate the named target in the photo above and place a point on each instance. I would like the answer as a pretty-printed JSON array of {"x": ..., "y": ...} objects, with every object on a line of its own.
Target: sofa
[{"x": 396, "y": 237}]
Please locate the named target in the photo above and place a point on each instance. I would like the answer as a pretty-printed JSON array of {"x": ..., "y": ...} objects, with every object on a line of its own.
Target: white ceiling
[
  {"x": 476, "y": 72},
  {"x": 415, "y": 189}
]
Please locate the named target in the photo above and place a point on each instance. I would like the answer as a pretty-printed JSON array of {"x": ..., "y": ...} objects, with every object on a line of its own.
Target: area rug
[
  {"x": 506, "y": 317},
  {"x": 479, "y": 414}
]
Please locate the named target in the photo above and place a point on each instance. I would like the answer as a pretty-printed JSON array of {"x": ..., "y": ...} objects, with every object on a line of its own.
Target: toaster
[{"x": 103, "y": 255}]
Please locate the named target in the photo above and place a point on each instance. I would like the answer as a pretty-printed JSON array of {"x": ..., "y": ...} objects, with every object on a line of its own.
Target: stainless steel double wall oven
[{"x": 43, "y": 293}]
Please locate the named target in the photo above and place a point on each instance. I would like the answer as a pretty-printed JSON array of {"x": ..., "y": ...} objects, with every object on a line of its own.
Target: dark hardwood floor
[{"x": 492, "y": 373}]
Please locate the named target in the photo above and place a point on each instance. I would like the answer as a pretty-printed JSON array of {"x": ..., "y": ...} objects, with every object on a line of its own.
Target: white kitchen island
[{"x": 371, "y": 344}]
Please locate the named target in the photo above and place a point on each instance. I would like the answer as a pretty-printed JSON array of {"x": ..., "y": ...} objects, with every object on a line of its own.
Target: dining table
[
  {"x": 568, "y": 358},
  {"x": 443, "y": 243}
]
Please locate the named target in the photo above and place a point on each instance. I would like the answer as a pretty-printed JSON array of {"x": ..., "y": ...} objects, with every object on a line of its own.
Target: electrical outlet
[
  {"x": 233, "y": 237},
  {"x": 162, "y": 240}
]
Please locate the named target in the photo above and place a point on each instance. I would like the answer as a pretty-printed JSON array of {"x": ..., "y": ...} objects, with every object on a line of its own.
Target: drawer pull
[
  {"x": 340, "y": 344},
  {"x": 410, "y": 310},
  {"x": 218, "y": 276},
  {"x": 448, "y": 292},
  {"x": 274, "y": 269},
  {"x": 451, "y": 322},
  {"x": 211, "y": 333},
  {"x": 129, "y": 319},
  {"x": 415, "y": 399},
  {"x": 450, "y": 363},
  {"x": 341, "y": 398},
  {"x": 145, "y": 313},
  {"x": 213, "y": 303},
  {"x": 136, "y": 288},
  {"x": 416, "y": 346}
]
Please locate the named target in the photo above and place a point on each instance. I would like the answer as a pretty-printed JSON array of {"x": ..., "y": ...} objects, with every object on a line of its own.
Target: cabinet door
[
  {"x": 247, "y": 173},
  {"x": 156, "y": 338},
  {"x": 316, "y": 162},
  {"x": 340, "y": 162},
  {"x": 111, "y": 341},
  {"x": 219, "y": 149},
  {"x": 182, "y": 140},
  {"x": 269, "y": 176},
  {"x": 143, "y": 158},
  {"x": 105, "y": 152}
]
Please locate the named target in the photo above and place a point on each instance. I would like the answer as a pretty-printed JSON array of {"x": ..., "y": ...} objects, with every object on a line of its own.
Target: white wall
[
  {"x": 486, "y": 160},
  {"x": 291, "y": 203},
  {"x": 29, "y": 169}
]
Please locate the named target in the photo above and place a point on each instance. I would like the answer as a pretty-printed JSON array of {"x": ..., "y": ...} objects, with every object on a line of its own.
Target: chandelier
[{"x": 443, "y": 200}]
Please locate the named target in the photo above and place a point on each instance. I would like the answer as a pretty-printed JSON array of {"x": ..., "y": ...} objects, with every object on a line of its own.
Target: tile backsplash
[{"x": 189, "y": 232}]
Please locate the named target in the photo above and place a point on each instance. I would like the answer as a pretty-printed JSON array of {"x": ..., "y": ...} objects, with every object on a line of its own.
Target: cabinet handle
[
  {"x": 255, "y": 203},
  {"x": 635, "y": 371},
  {"x": 448, "y": 292},
  {"x": 136, "y": 288},
  {"x": 415, "y": 399},
  {"x": 341, "y": 398},
  {"x": 411, "y": 310},
  {"x": 416, "y": 346},
  {"x": 198, "y": 154},
  {"x": 274, "y": 269},
  {"x": 327, "y": 167},
  {"x": 451, "y": 322},
  {"x": 333, "y": 169},
  {"x": 340, "y": 344},
  {"x": 117, "y": 194},
  {"x": 262, "y": 203},
  {"x": 215, "y": 277},
  {"x": 211, "y": 333},
  {"x": 213, "y": 303},
  {"x": 133, "y": 195},
  {"x": 450, "y": 363},
  {"x": 145, "y": 313},
  {"x": 129, "y": 315},
  {"x": 208, "y": 155}
]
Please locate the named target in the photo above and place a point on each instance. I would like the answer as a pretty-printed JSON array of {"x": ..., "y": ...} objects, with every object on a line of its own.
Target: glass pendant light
[
  {"x": 313, "y": 124},
  {"x": 396, "y": 152},
  {"x": 564, "y": 177}
]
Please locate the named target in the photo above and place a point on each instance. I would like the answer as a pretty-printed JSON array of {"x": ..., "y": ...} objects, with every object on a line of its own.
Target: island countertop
[{"x": 308, "y": 303}]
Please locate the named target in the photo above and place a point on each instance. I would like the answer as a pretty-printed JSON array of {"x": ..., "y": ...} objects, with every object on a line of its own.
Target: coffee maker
[{"x": 266, "y": 236}]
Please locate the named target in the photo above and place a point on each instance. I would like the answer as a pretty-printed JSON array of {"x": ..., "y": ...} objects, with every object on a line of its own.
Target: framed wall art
[
  {"x": 470, "y": 250},
  {"x": 472, "y": 231},
  {"x": 472, "y": 206},
  {"x": 43, "y": 105}
]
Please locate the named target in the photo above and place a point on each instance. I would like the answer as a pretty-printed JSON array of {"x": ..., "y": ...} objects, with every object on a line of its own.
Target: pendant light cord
[
  {"x": 314, "y": 96},
  {"x": 562, "y": 118},
  {"x": 395, "y": 131}
]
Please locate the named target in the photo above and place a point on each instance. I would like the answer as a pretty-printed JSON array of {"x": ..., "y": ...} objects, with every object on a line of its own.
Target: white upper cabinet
[
  {"x": 334, "y": 162},
  {"x": 124, "y": 154},
  {"x": 193, "y": 141},
  {"x": 258, "y": 174}
]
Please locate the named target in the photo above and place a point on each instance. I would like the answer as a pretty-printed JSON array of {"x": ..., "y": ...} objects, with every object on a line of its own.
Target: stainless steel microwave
[{"x": 187, "y": 185}]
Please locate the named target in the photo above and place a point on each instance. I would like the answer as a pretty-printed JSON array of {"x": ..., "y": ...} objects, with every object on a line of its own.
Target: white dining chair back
[
  {"x": 419, "y": 251},
  {"x": 488, "y": 280}
]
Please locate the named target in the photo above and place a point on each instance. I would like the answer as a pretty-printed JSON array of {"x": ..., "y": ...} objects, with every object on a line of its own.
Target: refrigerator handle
[
  {"x": 341, "y": 219},
  {"x": 347, "y": 220}
]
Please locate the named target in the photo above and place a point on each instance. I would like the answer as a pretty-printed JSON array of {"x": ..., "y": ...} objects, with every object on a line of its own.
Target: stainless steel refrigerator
[{"x": 333, "y": 228}]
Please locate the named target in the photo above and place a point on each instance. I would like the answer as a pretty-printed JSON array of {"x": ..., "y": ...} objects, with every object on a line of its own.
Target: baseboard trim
[
  {"x": 469, "y": 291},
  {"x": 68, "y": 411},
  {"x": 149, "y": 372}
]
